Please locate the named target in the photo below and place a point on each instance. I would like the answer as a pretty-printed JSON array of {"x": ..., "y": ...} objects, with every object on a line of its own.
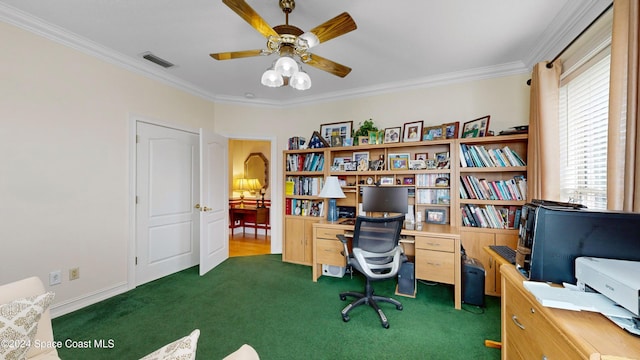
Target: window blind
[{"x": 583, "y": 114}]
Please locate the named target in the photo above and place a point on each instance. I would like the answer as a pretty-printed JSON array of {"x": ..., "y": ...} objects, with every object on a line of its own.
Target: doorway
[{"x": 250, "y": 189}]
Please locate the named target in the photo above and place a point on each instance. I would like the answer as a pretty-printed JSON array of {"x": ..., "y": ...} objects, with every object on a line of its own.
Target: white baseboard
[{"x": 78, "y": 303}]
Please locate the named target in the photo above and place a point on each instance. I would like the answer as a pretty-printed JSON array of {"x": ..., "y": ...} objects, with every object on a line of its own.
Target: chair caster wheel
[
  {"x": 342, "y": 297},
  {"x": 386, "y": 326},
  {"x": 345, "y": 318},
  {"x": 399, "y": 307}
]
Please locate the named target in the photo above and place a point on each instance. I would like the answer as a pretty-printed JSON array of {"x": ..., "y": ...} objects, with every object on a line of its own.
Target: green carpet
[{"x": 275, "y": 307}]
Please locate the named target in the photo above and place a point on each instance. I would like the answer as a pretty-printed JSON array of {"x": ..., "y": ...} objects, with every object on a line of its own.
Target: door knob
[
  {"x": 206, "y": 208},
  {"x": 197, "y": 206}
]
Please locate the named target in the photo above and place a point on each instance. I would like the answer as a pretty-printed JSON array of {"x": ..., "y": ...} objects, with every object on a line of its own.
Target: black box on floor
[
  {"x": 406, "y": 280},
  {"x": 473, "y": 276}
]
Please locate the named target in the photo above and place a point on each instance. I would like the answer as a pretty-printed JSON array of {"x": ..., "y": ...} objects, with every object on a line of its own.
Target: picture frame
[
  {"x": 431, "y": 164},
  {"x": 476, "y": 127},
  {"x": 451, "y": 130},
  {"x": 435, "y": 216},
  {"x": 363, "y": 140},
  {"x": 339, "y": 129},
  {"x": 361, "y": 158},
  {"x": 398, "y": 161},
  {"x": 316, "y": 141},
  {"x": 380, "y": 139},
  {"x": 421, "y": 156},
  {"x": 407, "y": 181},
  {"x": 433, "y": 133},
  {"x": 347, "y": 142},
  {"x": 417, "y": 164},
  {"x": 442, "y": 160},
  {"x": 373, "y": 137},
  {"x": 412, "y": 131},
  {"x": 386, "y": 180},
  {"x": 442, "y": 182},
  {"x": 392, "y": 135}
]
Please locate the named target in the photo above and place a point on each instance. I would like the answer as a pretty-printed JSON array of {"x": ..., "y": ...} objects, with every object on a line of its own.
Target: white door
[
  {"x": 214, "y": 209},
  {"x": 167, "y": 188}
]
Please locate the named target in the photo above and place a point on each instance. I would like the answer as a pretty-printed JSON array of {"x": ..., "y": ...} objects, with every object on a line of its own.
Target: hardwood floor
[{"x": 247, "y": 246}]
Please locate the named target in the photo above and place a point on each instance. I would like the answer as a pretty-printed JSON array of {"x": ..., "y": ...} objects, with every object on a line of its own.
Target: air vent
[{"x": 157, "y": 60}]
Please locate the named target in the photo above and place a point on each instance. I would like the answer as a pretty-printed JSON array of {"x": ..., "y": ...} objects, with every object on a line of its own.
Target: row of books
[
  {"x": 479, "y": 156},
  {"x": 304, "y": 207},
  {"x": 305, "y": 162},
  {"x": 296, "y": 142},
  {"x": 481, "y": 189},
  {"x": 303, "y": 185},
  {"x": 490, "y": 216},
  {"x": 433, "y": 196},
  {"x": 432, "y": 180}
]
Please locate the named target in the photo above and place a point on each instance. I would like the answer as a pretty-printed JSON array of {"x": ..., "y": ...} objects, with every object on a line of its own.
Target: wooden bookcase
[{"x": 437, "y": 190}]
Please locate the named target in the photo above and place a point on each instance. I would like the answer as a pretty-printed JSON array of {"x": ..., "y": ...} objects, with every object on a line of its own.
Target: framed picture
[
  {"x": 412, "y": 131},
  {"x": 407, "y": 181},
  {"x": 433, "y": 133},
  {"x": 451, "y": 130},
  {"x": 442, "y": 160},
  {"x": 435, "y": 216},
  {"x": 417, "y": 165},
  {"x": 380, "y": 139},
  {"x": 363, "y": 140},
  {"x": 421, "y": 156},
  {"x": 317, "y": 141},
  {"x": 398, "y": 161},
  {"x": 361, "y": 158},
  {"x": 347, "y": 142},
  {"x": 392, "y": 135},
  {"x": 373, "y": 137},
  {"x": 330, "y": 132},
  {"x": 476, "y": 128},
  {"x": 431, "y": 164},
  {"x": 386, "y": 180},
  {"x": 442, "y": 182}
]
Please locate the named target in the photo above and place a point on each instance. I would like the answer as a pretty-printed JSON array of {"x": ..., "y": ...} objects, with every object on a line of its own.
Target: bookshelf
[{"x": 480, "y": 175}]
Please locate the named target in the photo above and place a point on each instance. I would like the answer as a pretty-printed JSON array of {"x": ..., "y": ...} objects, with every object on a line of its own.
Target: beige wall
[
  {"x": 65, "y": 150},
  {"x": 64, "y": 161}
]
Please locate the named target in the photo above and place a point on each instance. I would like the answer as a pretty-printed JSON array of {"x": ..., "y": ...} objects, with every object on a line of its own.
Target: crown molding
[{"x": 574, "y": 17}]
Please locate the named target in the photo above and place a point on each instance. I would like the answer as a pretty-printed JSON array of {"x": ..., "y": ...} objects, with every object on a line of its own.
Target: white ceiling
[{"x": 398, "y": 44}]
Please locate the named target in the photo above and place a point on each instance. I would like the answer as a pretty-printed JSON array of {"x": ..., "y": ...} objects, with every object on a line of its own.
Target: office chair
[{"x": 377, "y": 255}]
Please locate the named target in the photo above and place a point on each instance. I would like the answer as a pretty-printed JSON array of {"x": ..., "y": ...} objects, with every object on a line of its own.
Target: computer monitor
[{"x": 385, "y": 199}]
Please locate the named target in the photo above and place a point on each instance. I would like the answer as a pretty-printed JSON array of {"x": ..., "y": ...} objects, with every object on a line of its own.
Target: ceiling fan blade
[
  {"x": 236, "y": 54},
  {"x": 335, "y": 27},
  {"x": 329, "y": 66},
  {"x": 249, "y": 15}
]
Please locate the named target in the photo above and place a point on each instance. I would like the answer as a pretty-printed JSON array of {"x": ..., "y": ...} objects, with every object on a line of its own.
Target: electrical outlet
[
  {"x": 74, "y": 274},
  {"x": 55, "y": 277}
]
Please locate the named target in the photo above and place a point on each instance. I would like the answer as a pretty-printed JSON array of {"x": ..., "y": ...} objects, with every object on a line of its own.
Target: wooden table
[{"x": 249, "y": 216}]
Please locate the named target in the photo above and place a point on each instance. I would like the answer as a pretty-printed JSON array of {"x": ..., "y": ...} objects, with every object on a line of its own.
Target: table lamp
[
  {"x": 332, "y": 191},
  {"x": 241, "y": 185}
]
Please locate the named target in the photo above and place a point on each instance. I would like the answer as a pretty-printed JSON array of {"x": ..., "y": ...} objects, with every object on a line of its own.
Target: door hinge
[
  {"x": 136, "y": 199},
  {"x": 137, "y": 139},
  {"x": 136, "y": 260}
]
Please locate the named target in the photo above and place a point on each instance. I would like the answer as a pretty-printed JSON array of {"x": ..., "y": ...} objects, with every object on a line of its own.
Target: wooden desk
[
  {"x": 436, "y": 249},
  {"x": 249, "y": 216},
  {"x": 532, "y": 331}
]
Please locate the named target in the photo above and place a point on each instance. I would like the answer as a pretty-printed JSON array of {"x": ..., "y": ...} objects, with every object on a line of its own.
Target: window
[{"x": 583, "y": 114}]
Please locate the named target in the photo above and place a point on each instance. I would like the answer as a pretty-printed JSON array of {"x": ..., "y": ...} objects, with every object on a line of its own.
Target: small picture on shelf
[
  {"x": 435, "y": 216},
  {"x": 442, "y": 160},
  {"x": 363, "y": 140},
  {"x": 442, "y": 182},
  {"x": 421, "y": 156},
  {"x": 431, "y": 164},
  {"x": 347, "y": 142},
  {"x": 362, "y": 159},
  {"x": 392, "y": 135},
  {"x": 407, "y": 181},
  {"x": 398, "y": 161},
  {"x": 433, "y": 133},
  {"x": 451, "y": 130},
  {"x": 373, "y": 138},
  {"x": 417, "y": 164},
  {"x": 476, "y": 128},
  {"x": 412, "y": 131},
  {"x": 386, "y": 180}
]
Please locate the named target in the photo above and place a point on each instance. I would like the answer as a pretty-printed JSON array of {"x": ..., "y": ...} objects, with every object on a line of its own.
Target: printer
[{"x": 616, "y": 279}]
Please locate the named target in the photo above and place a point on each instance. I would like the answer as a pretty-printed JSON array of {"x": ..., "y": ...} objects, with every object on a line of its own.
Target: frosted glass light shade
[
  {"x": 311, "y": 39},
  {"x": 271, "y": 78},
  {"x": 300, "y": 81},
  {"x": 286, "y": 66},
  {"x": 331, "y": 188}
]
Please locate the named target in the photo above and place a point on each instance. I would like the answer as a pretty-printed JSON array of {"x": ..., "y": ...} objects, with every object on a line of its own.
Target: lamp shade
[
  {"x": 286, "y": 66},
  {"x": 271, "y": 78},
  {"x": 310, "y": 38},
  {"x": 300, "y": 81},
  {"x": 241, "y": 184},
  {"x": 331, "y": 189}
]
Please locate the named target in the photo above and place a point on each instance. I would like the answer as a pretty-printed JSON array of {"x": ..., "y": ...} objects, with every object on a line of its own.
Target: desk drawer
[
  {"x": 435, "y": 266},
  {"x": 530, "y": 332},
  {"x": 433, "y": 243},
  {"x": 329, "y": 252},
  {"x": 330, "y": 234}
]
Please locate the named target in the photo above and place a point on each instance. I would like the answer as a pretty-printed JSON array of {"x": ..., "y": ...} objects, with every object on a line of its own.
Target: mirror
[{"x": 256, "y": 166}]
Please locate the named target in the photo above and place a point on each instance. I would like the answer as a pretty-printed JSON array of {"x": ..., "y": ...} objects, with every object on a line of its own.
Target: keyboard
[{"x": 506, "y": 252}]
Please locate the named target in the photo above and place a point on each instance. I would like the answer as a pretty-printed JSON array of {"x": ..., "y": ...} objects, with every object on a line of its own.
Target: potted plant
[{"x": 363, "y": 130}]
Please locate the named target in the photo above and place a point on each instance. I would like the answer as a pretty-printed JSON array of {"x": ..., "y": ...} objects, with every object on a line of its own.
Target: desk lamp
[
  {"x": 332, "y": 191},
  {"x": 241, "y": 185}
]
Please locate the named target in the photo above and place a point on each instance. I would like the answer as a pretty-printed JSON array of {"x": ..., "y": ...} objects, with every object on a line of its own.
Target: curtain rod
[{"x": 550, "y": 63}]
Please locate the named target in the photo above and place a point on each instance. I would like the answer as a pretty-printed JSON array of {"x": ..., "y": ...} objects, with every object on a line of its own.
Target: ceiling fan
[{"x": 290, "y": 41}]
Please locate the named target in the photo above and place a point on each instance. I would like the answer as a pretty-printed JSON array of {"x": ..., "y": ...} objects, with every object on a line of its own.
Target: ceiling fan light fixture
[
  {"x": 271, "y": 78},
  {"x": 286, "y": 66},
  {"x": 310, "y": 38},
  {"x": 300, "y": 80}
]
